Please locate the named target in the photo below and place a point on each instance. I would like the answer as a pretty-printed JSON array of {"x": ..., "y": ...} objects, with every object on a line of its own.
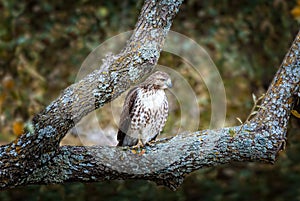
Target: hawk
[{"x": 145, "y": 111}]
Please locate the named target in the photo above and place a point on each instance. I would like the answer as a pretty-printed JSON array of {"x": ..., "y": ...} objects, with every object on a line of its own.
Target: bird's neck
[{"x": 151, "y": 87}]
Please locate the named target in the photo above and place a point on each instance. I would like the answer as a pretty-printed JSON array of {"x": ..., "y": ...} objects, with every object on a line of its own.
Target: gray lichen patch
[
  {"x": 150, "y": 53},
  {"x": 133, "y": 73},
  {"x": 151, "y": 16}
]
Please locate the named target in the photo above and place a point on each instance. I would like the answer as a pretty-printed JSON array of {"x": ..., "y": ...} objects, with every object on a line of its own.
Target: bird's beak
[{"x": 169, "y": 83}]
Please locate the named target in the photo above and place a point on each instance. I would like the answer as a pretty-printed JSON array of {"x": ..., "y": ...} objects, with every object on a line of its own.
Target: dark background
[{"x": 42, "y": 45}]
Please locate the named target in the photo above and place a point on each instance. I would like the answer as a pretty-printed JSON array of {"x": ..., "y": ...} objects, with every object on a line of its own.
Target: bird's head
[{"x": 159, "y": 80}]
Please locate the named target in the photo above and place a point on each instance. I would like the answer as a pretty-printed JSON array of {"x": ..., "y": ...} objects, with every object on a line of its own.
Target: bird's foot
[
  {"x": 139, "y": 147},
  {"x": 151, "y": 143}
]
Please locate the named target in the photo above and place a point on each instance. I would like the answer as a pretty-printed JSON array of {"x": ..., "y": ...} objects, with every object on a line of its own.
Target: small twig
[{"x": 252, "y": 112}]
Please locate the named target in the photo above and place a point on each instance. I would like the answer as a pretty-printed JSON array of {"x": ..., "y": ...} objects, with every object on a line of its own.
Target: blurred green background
[{"x": 43, "y": 43}]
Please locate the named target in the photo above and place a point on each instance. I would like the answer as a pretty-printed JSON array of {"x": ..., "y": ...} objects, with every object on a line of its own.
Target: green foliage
[{"x": 43, "y": 43}]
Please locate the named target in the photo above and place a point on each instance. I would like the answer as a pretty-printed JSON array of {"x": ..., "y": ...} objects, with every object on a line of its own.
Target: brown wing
[{"x": 126, "y": 115}]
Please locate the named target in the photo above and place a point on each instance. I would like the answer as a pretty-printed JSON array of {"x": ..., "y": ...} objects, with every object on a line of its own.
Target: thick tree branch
[
  {"x": 33, "y": 150},
  {"x": 36, "y": 158}
]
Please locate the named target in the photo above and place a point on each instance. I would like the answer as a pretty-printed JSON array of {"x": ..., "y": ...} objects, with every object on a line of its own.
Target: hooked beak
[{"x": 168, "y": 83}]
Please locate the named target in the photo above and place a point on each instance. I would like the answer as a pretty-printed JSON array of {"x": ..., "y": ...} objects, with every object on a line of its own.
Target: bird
[{"x": 145, "y": 111}]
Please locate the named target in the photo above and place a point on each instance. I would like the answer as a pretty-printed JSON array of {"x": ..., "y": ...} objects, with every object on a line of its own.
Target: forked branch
[{"x": 37, "y": 158}]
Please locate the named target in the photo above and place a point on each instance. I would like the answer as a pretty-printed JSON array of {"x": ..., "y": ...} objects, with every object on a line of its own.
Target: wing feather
[{"x": 126, "y": 115}]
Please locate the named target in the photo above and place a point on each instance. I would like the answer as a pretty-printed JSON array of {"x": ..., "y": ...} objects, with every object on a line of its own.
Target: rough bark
[{"x": 37, "y": 158}]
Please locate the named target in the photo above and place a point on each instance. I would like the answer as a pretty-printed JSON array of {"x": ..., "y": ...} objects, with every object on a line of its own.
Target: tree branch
[
  {"x": 36, "y": 158},
  {"x": 34, "y": 150}
]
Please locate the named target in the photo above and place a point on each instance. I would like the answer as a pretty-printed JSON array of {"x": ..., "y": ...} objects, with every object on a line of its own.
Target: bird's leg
[{"x": 139, "y": 143}]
